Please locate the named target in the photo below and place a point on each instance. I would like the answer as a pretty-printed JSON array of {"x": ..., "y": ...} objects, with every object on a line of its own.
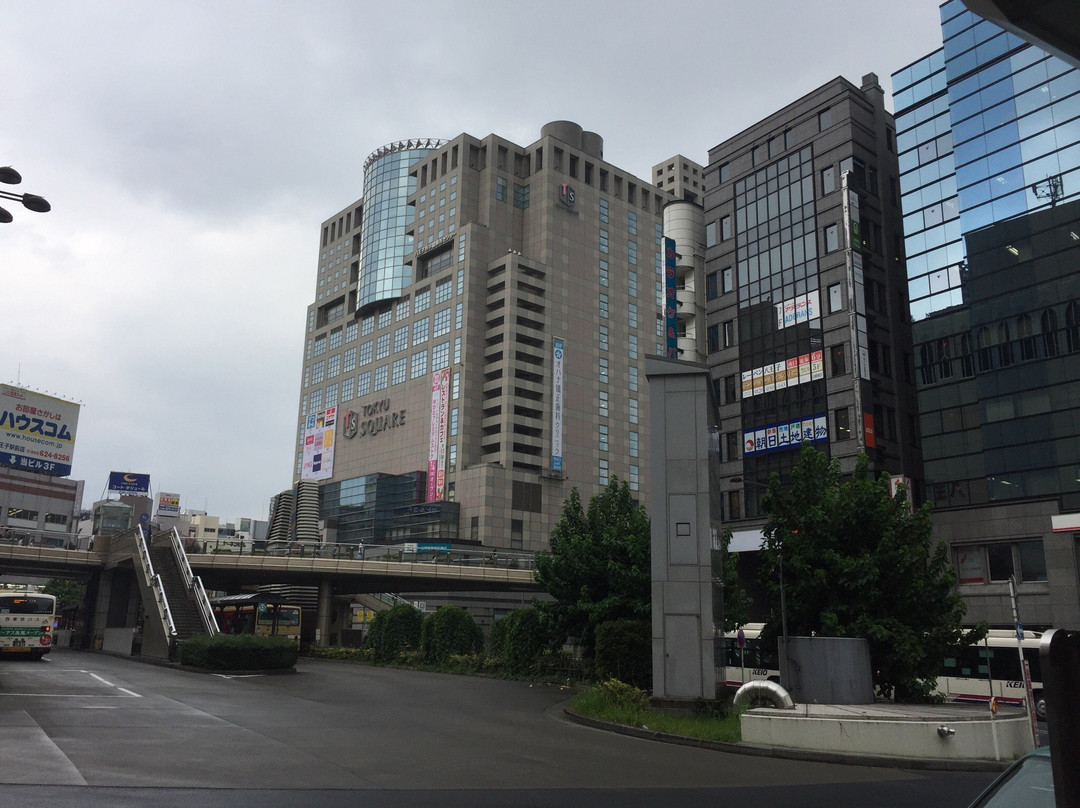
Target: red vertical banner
[{"x": 868, "y": 430}]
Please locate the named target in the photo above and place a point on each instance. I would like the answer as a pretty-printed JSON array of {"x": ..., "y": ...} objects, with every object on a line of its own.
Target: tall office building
[
  {"x": 988, "y": 133},
  {"x": 475, "y": 346},
  {"x": 808, "y": 336}
]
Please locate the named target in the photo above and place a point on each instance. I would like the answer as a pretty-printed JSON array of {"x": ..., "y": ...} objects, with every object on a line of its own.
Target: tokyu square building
[{"x": 476, "y": 344}]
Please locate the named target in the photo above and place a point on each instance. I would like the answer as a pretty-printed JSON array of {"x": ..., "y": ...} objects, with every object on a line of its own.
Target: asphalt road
[{"x": 87, "y": 729}]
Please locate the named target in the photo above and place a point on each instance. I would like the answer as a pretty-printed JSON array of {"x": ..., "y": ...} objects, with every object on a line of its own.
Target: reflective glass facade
[
  {"x": 385, "y": 245},
  {"x": 988, "y": 135},
  {"x": 988, "y": 128}
]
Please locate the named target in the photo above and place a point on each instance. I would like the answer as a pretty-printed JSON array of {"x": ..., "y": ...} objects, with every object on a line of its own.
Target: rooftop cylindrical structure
[{"x": 384, "y": 244}]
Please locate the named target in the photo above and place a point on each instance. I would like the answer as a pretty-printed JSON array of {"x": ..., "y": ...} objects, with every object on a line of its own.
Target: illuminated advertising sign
[
  {"x": 168, "y": 504},
  {"x": 440, "y": 409},
  {"x": 319, "y": 445},
  {"x": 789, "y": 435},
  {"x": 37, "y": 432},
  {"x": 558, "y": 352},
  {"x": 124, "y": 482},
  {"x": 671, "y": 302}
]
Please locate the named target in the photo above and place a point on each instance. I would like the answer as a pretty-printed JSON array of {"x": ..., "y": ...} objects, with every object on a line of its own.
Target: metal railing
[
  {"x": 153, "y": 581},
  {"x": 193, "y": 583},
  {"x": 496, "y": 558},
  {"x": 36, "y": 537}
]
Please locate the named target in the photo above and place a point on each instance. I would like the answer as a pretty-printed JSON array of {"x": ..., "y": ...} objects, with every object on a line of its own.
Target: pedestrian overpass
[{"x": 171, "y": 584}]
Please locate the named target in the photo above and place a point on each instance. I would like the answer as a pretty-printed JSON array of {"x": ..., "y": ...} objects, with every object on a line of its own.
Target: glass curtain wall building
[
  {"x": 387, "y": 247},
  {"x": 988, "y": 135}
]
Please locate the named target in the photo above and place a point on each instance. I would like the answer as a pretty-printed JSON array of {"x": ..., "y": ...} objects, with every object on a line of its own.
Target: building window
[
  {"x": 318, "y": 372},
  {"x": 841, "y": 423},
  {"x": 604, "y": 306},
  {"x": 631, "y": 315},
  {"x": 603, "y": 241},
  {"x": 731, "y": 389},
  {"x": 440, "y": 356},
  {"x": 350, "y": 360},
  {"x": 385, "y": 318},
  {"x": 419, "y": 364},
  {"x": 351, "y": 330},
  {"x": 420, "y": 329},
  {"x": 603, "y": 403},
  {"x": 825, "y": 119},
  {"x": 335, "y": 339},
  {"x": 633, "y": 404},
  {"x": 333, "y": 366},
  {"x": 838, "y": 358},
  {"x": 635, "y": 478},
  {"x": 727, "y": 278},
  {"x": 422, "y": 301},
  {"x": 320, "y": 345},
  {"x": 604, "y": 475},
  {"x": 603, "y": 338},
  {"x": 500, "y": 189},
  {"x": 828, "y": 180},
  {"x": 365, "y": 353},
  {"x": 382, "y": 346},
  {"x": 713, "y": 338},
  {"x": 331, "y": 395},
  {"x": 836, "y": 298},
  {"x": 603, "y": 210},
  {"x": 711, "y": 230},
  {"x": 728, "y": 333},
  {"x": 401, "y": 339},
  {"x": 711, "y": 286},
  {"x": 603, "y": 371},
  {"x": 367, "y": 326},
  {"x": 348, "y": 389},
  {"x": 633, "y": 444},
  {"x": 602, "y": 438},
  {"x": 832, "y": 238},
  {"x": 603, "y": 273},
  {"x": 725, "y": 228},
  {"x": 632, "y": 385},
  {"x": 381, "y": 376},
  {"x": 400, "y": 370},
  {"x": 632, "y": 346}
]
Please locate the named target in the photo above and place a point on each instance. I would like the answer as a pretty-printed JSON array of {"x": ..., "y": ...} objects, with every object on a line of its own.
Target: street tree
[
  {"x": 857, "y": 561},
  {"x": 598, "y": 566}
]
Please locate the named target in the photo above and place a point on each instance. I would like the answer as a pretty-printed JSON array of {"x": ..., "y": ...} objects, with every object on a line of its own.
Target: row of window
[
  {"x": 1009, "y": 342},
  {"x": 22, "y": 515}
]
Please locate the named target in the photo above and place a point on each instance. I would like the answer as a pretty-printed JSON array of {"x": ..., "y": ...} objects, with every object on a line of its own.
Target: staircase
[{"x": 185, "y": 612}]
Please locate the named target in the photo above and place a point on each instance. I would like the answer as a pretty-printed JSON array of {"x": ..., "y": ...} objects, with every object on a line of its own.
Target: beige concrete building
[{"x": 475, "y": 347}]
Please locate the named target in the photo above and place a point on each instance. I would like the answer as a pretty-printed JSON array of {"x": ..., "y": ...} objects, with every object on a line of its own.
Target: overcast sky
[{"x": 191, "y": 150}]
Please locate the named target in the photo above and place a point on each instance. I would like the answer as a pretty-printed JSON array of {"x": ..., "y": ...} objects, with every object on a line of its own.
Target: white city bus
[{"x": 26, "y": 623}]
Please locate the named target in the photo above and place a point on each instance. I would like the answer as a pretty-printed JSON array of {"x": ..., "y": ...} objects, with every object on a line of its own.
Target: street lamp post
[{"x": 32, "y": 202}]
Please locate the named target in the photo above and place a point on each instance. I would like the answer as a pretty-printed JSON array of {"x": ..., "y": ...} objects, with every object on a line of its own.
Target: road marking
[
  {"x": 125, "y": 690},
  {"x": 239, "y": 675},
  {"x": 109, "y": 684}
]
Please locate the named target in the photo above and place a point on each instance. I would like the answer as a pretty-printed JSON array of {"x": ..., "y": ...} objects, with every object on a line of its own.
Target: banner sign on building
[
  {"x": 124, "y": 482},
  {"x": 558, "y": 349},
  {"x": 799, "y": 309},
  {"x": 168, "y": 504},
  {"x": 781, "y": 375},
  {"x": 440, "y": 410},
  {"x": 671, "y": 302},
  {"x": 319, "y": 445},
  {"x": 37, "y": 432},
  {"x": 789, "y": 435}
]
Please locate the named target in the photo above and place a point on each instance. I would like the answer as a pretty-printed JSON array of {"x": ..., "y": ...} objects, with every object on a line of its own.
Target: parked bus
[
  {"x": 257, "y": 614},
  {"x": 967, "y": 672},
  {"x": 965, "y": 675},
  {"x": 26, "y": 623},
  {"x": 754, "y": 661}
]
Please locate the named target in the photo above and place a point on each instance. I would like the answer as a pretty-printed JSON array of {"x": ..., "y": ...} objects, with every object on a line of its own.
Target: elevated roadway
[{"x": 233, "y": 571}]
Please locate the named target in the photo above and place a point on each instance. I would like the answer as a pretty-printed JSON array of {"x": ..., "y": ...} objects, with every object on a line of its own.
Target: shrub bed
[{"x": 244, "y": 652}]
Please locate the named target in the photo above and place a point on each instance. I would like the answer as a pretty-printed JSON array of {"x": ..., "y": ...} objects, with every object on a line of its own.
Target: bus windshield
[{"x": 25, "y": 604}]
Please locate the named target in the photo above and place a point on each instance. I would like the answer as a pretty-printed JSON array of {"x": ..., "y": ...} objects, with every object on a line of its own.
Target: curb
[{"x": 810, "y": 755}]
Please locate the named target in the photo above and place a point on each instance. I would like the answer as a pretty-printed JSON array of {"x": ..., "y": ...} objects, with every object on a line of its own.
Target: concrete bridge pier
[{"x": 324, "y": 610}]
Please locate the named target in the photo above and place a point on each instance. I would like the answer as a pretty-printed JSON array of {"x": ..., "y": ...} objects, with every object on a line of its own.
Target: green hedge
[
  {"x": 394, "y": 632},
  {"x": 450, "y": 631},
  {"x": 624, "y": 652},
  {"x": 242, "y": 652},
  {"x": 520, "y": 640}
]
